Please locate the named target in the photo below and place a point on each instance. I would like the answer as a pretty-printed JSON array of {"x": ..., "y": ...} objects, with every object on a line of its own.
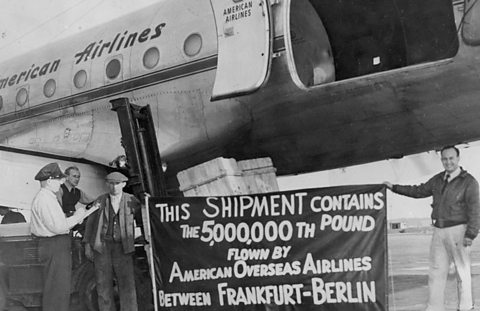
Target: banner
[{"x": 312, "y": 249}]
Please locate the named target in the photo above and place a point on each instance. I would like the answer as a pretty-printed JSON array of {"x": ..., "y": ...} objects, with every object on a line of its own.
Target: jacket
[
  {"x": 96, "y": 226},
  {"x": 459, "y": 201}
]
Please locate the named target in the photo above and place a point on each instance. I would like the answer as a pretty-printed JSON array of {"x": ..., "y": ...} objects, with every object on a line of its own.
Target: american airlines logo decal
[
  {"x": 95, "y": 49},
  {"x": 238, "y": 11},
  {"x": 121, "y": 41},
  {"x": 32, "y": 73}
]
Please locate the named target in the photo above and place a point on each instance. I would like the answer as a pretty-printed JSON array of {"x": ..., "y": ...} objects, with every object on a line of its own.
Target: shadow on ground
[{"x": 406, "y": 282}]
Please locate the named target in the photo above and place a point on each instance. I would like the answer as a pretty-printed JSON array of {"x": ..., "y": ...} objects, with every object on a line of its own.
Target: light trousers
[{"x": 447, "y": 247}]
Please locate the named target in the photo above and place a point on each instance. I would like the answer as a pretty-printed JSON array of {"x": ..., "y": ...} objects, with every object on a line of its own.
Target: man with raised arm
[
  {"x": 69, "y": 194},
  {"x": 456, "y": 221},
  {"x": 51, "y": 227}
]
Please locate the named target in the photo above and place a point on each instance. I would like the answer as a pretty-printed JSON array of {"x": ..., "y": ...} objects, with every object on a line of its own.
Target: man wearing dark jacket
[
  {"x": 456, "y": 221},
  {"x": 109, "y": 242}
]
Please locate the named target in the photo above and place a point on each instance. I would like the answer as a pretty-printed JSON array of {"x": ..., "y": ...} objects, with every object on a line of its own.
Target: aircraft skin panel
[
  {"x": 162, "y": 29},
  {"x": 23, "y": 187},
  {"x": 110, "y": 90},
  {"x": 357, "y": 120},
  {"x": 372, "y": 119},
  {"x": 182, "y": 111}
]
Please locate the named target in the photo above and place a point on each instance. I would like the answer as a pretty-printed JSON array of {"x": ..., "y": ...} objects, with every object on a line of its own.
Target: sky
[
  {"x": 29, "y": 24},
  {"x": 413, "y": 169}
]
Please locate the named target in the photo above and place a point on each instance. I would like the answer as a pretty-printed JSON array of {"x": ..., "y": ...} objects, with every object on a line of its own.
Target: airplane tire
[{"x": 87, "y": 289}]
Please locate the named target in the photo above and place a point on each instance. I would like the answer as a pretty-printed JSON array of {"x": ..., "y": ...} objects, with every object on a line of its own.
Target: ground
[{"x": 408, "y": 273}]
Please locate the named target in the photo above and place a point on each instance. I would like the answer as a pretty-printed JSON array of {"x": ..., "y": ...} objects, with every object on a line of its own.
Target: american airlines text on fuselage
[
  {"x": 238, "y": 11},
  {"x": 92, "y": 50}
]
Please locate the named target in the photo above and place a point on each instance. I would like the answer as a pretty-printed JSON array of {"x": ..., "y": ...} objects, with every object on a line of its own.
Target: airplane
[{"x": 312, "y": 84}]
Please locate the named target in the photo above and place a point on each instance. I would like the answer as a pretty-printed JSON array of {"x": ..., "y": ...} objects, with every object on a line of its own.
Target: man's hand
[
  {"x": 88, "y": 252},
  {"x": 388, "y": 184},
  {"x": 467, "y": 242}
]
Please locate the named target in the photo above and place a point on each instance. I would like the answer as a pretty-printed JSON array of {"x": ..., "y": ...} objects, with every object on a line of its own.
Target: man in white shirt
[
  {"x": 50, "y": 226},
  {"x": 456, "y": 221}
]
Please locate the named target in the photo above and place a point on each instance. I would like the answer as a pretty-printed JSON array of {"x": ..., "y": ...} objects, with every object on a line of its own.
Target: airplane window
[
  {"x": 1, "y": 102},
  {"x": 192, "y": 45},
  {"x": 49, "y": 88},
  {"x": 22, "y": 97},
  {"x": 113, "y": 68},
  {"x": 80, "y": 79},
  {"x": 151, "y": 57}
]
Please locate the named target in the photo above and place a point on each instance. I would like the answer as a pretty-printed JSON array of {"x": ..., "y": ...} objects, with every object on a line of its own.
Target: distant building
[
  {"x": 397, "y": 225},
  {"x": 410, "y": 225}
]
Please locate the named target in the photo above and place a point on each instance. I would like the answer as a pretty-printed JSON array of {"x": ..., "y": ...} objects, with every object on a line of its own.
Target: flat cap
[
  {"x": 50, "y": 171},
  {"x": 116, "y": 177}
]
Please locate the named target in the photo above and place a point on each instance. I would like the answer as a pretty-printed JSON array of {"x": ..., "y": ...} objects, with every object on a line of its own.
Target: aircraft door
[{"x": 244, "y": 46}]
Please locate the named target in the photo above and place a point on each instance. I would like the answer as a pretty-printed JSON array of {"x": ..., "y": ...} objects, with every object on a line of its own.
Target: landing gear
[
  {"x": 85, "y": 289},
  {"x": 85, "y": 297}
]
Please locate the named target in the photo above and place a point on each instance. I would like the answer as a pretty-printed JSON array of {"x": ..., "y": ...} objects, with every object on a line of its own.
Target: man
[
  {"x": 455, "y": 217},
  {"x": 51, "y": 227},
  {"x": 69, "y": 195},
  {"x": 109, "y": 242},
  {"x": 10, "y": 217}
]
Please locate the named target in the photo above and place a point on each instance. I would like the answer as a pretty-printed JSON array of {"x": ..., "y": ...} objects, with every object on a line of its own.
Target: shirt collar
[
  {"x": 69, "y": 188},
  {"x": 115, "y": 197},
  {"x": 48, "y": 191},
  {"x": 453, "y": 174}
]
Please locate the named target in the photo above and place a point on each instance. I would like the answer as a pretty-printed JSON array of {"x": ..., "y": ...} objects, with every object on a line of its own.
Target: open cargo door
[{"x": 244, "y": 46}]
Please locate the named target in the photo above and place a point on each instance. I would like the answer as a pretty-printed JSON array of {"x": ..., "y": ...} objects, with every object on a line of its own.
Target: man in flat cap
[
  {"x": 50, "y": 226},
  {"x": 109, "y": 242}
]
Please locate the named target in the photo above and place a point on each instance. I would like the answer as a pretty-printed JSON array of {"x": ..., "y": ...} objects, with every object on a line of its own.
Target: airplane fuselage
[{"x": 311, "y": 112}]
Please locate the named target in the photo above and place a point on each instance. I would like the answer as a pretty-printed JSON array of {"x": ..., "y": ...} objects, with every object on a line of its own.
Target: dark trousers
[
  {"x": 113, "y": 260},
  {"x": 55, "y": 254},
  {"x": 3, "y": 286}
]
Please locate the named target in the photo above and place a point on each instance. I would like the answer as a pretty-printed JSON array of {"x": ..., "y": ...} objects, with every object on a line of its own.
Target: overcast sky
[{"x": 28, "y": 24}]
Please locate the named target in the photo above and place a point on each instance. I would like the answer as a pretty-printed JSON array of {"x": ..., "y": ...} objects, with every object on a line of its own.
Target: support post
[
  {"x": 140, "y": 143},
  {"x": 146, "y": 173}
]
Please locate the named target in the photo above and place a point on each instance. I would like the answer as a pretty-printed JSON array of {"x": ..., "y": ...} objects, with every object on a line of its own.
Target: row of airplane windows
[{"x": 192, "y": 46}]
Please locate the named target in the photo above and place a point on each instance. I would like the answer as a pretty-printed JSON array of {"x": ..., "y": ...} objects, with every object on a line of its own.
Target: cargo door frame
[{"x": 322, "y": 67}]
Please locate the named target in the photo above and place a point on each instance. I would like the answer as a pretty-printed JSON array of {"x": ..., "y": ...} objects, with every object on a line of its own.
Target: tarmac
[{"x": 408, "y": 273}]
